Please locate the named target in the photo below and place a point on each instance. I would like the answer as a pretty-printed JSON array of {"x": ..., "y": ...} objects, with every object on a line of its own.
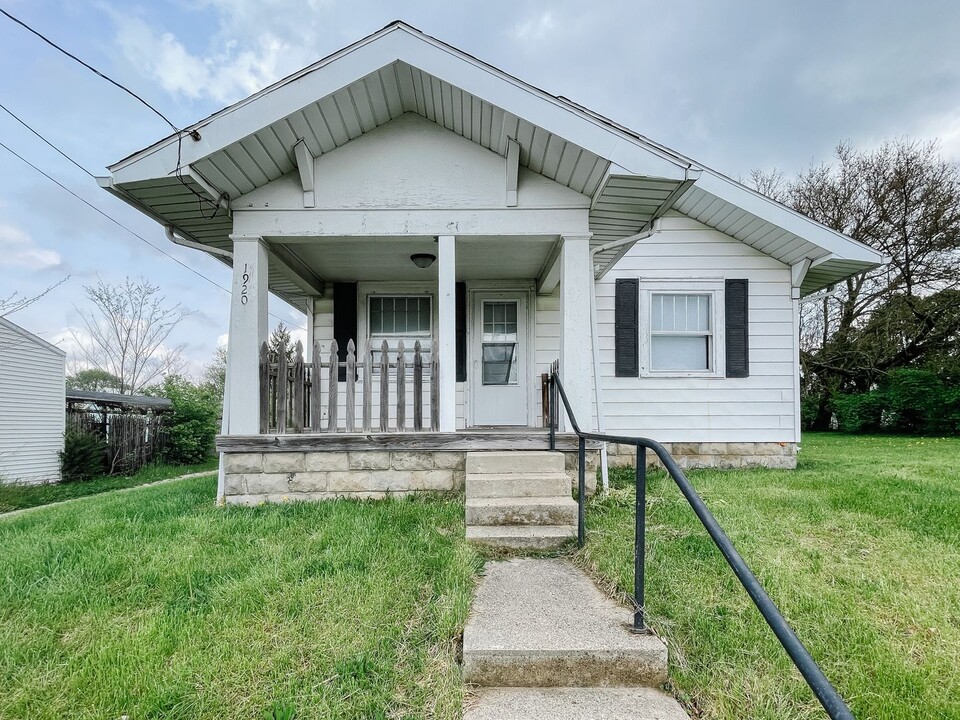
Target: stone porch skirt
[{"x": 288, "y": 470}]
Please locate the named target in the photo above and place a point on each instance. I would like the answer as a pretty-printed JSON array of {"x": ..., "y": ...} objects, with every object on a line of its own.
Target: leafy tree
[
  {"x": 280, "y": 337},
  {"x": 215, "y": 374},
  {"x": 126, "y": 333},
  {"x": 95, "y": 380},
  {"x": 195, "y": 420},
  {"x": 904, "y": 200}
]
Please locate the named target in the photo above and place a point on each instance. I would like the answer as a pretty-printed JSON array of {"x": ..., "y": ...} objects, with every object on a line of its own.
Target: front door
[{"x": 499, "y": 378}]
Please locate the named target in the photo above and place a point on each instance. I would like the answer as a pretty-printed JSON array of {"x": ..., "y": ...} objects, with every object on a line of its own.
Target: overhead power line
[
  {"x": 215, "y": 204},
  {"x": 92, "y": 69},
  {"x": 11, "y": 114},
  {"x": 104, "y": 214}
]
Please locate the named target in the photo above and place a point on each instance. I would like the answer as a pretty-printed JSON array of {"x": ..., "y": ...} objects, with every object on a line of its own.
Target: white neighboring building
[{"x": 32, "y": 387}]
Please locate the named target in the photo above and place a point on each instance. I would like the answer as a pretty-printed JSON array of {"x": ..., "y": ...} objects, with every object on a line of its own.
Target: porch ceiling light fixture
[{"x": 423, "y": 260}]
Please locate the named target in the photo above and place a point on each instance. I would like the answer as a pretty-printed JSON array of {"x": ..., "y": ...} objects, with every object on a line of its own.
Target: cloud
[
  {"x": 18, "y": 249},
  {"x": 536, "y": 28},
  {"x": 224, "y": 75},
  {"x": 254, "y": 44}
]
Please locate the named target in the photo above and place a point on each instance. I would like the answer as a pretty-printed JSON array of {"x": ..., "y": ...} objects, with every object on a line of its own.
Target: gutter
[
  {"x": 182, "y": 241},
  {"x": 595, "y": 343}
]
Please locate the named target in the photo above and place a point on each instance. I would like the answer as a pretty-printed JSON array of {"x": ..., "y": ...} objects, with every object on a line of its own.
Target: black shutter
[
  {"x": 626, "y": 317},
  {"x": 737, "y": 336},
  {"x": 344, "y": 321},
  {"x": 461, "y": 334}
]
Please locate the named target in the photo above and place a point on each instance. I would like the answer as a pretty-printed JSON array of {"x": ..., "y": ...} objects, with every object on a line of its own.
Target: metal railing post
[
  {"x": 639, "y": 542},
  {"x": 581, "y": 489},
  {"x": 553, "y": 411}
]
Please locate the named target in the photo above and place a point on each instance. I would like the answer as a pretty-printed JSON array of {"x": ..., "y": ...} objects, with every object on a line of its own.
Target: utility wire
[
  {"x": 179, "y": 133},
  {"x": 101, "y": 212},
  {"x": 89, "y": 67},
  {"x": 11, "y": 114}
]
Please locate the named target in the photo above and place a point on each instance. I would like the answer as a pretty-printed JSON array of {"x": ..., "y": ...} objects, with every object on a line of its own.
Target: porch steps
[
  {"x": 543, "y": 642},
  {"x": 519, "y": 500}
]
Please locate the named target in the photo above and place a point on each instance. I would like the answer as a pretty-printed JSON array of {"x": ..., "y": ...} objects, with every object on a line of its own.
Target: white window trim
[
  {"x": 714, "y": 287},
  {"x": 367, "y": 289}
]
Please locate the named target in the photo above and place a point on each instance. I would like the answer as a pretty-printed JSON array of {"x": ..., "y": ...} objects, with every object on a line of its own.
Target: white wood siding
[
  {"x": 759, "y": 408},
  {"x": 32, "y": 386}
]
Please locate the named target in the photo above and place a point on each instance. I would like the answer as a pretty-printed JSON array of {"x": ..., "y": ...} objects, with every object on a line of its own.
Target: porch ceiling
[{"x": 388, "y": 258}]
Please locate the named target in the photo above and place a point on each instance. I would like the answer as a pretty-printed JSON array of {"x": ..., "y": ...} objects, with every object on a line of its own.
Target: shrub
[
  {"x": 194, "y": 422},
  {"x": 83, "y": 456},
  {"x": 859, "y": 412},
  {"x": 911, "y": 401}
]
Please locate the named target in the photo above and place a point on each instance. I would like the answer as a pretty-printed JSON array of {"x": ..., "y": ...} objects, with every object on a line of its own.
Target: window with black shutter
[
  {"x": 627, "y": 328},
  {"x": 737, "y": 335}
]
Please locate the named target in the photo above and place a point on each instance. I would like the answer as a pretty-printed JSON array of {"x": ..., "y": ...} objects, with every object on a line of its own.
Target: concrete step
[
  {"x": 514, "y": 462},
  {"x": 521, "y": 537},
  {"x": 603, "y": 703},
  {"x": 522, "y": 511},
  {"x": 508, "y": 485},
  {"x": 543, "y": 623}
]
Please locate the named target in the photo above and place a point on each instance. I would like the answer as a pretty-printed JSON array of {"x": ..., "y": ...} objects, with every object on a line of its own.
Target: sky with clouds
[{"x": 735, "y": 85}]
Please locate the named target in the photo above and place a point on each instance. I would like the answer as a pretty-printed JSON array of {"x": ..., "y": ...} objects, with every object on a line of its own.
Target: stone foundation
[
  {"x": 251, "y": 478},
  {"x": 780, "y": 456}
]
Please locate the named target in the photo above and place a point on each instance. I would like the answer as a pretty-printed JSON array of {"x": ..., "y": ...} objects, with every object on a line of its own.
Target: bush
[
  {"x": 83, "y": 456},
  {"x": 910, "y": 401},
  {"x": 194, "y": 423}
]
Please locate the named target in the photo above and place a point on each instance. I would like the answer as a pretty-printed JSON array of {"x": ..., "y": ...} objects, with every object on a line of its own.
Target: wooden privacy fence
[
  {"x": 327, "y": 394},
  {"x": 131, "y": 439}
]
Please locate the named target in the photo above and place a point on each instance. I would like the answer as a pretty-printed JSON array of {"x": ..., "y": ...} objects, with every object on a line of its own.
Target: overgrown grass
[
  {"x": 18, "y": 497},
  {"x": 155, "y": 604},
  {"x": 860, "y": 549}
]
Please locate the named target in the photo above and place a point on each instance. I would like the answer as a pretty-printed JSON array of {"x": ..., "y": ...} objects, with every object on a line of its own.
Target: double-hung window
[
  {"x": 681, "y": 332},
  {"x": 679, "y": 327},
  {"x": 400, "y": 318}
]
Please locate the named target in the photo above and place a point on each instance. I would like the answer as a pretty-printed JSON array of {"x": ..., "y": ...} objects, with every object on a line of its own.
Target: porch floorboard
[{"x": 461, "y": 441}]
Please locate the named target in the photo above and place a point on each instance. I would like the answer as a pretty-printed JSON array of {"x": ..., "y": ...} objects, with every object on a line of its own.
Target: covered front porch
[{"x": 408, "y": 334}]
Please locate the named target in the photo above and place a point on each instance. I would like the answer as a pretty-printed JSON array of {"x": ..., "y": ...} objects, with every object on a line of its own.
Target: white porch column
[
  {"x": 447, "y": 330},
  {"x": 576, "y": 367},
  {"x": 248, "y": 329}
]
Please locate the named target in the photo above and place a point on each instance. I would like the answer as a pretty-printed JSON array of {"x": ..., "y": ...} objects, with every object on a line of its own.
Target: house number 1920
[{"x": 244, "y": 288}]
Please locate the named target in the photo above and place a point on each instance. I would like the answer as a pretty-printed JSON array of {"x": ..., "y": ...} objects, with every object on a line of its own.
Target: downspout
[
  {"x": 182, "y": 241},
  {"x": 224, "y": 420},
  {"x": 595, "y": 343}
]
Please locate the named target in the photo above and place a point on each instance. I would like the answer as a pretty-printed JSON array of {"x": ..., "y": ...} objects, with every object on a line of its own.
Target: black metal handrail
[{"x": 825, "y": 692}]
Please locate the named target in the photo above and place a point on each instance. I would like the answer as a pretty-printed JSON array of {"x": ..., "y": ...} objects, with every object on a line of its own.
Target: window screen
[{"x": 680, "y": 331}]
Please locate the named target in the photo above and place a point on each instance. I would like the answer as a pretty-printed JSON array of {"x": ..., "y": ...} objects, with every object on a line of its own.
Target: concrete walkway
[
  {"x": 15, "y": 513},
  {"x": 544, "y": 642}
]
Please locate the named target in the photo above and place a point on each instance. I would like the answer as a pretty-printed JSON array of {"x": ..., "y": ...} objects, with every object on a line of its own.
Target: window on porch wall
[{"x": 400, "y": 317}]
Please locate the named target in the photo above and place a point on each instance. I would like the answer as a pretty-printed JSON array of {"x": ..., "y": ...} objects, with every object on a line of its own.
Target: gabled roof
[
  {"x": 630, "y": 179},
  {"x": 30, "y": 337}
]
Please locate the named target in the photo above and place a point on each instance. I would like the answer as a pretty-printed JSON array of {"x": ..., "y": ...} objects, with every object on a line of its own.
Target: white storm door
[{"x": 500, "y": 374}]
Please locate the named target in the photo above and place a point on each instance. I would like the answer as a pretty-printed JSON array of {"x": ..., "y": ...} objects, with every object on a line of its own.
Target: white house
[
  {"x": 32, "y": 385},
  {"x": 401, "y": 190}
]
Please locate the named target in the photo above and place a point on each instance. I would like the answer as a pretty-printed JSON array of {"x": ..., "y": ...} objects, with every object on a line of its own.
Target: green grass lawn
[
  {"x": 860, "y": 549},
  {"x": 18, "y": 497},
  {"x": 155, "y": 604}
]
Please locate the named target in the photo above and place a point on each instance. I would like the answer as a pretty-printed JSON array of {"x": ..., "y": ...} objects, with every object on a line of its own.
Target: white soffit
[{"x": 630, "y": 179}]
